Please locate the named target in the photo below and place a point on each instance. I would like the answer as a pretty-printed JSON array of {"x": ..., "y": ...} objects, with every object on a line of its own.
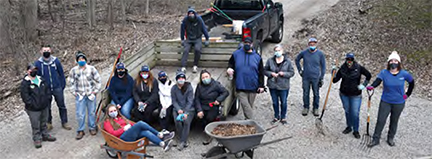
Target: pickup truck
[{"x": 263, "y": 19}]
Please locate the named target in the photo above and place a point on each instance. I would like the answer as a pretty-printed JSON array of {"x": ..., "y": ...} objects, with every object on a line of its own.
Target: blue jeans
[
  {"x": 59, "y": 98},
  {"x": 126, "y": 108},
  {"x": 307, "y": 83},
  {"x": 81, "y": 107},
  {"x": 351, "y": 104},
  {"x": 279, "y": 95},
  {"x": 139, "y": 130}
]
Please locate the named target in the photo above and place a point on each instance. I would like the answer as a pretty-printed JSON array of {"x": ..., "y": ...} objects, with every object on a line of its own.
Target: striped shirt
[{"x": 84, "y": 81}]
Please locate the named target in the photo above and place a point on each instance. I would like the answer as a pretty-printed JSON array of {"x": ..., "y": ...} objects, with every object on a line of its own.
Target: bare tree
[
  {"x": 91, "y": 18},
  {"x": 147, "y": 7},
  {"x": 123, "y": 11},
  {"x": 110, "y": 16}
]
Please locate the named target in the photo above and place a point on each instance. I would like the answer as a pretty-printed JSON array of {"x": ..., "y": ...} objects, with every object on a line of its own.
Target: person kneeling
[{"x": 118, "y": 126}]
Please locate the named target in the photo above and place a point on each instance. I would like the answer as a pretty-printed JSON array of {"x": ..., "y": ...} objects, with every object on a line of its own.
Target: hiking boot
[
  {"x": 283, "y": 121},
  {"x": 347, "y": 130},
  {"x": 391, "y": 142},
  {"x": 373, "y": 143},
  {"x": 315, "y": 112},
  {"x": 66, "y": 126},
  {"x": 48, "y": 138},
  {"x": 275, "y": 120},
  {"x": 305, "y": 111},
  {"x": 167, "y": 145},
  {"x": 195, "y": 69},
  {"x": 356, "y": 134},
  {"x": 181, "y": 146},
  {"x": 93, "y": 132},
  {"x": 80, "y": 135},
  {"x": 49, "y": 126},
  {"x": 183, "y": 69},
  {"x": 37, "y": 143}
]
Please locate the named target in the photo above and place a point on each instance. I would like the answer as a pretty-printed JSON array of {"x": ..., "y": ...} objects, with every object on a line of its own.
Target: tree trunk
[
  {"x": 91, "y": 5},
  {"x": 147, "y": 7},
  {"x": 110, "y": 16},
  {"x": 50, "y": 11},
  {"x": 123, "y": 11},
  {"x": 29, "y": 9}
]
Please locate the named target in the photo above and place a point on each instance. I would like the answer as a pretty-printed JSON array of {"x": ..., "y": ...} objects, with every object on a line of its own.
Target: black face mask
[
  {"x": 33, "y": 73},
  {"x": 247, "y": 47},
  {"x": 191, "y": 18},
  {"x": 46, "y": 54},
  {"x": 394, "y": 65},
  {"x": 121, "y": 73},
  {"x": 163, "y": 80}
]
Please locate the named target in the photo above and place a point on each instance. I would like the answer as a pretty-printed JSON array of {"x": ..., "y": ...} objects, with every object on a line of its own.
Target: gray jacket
[
  {"x": 183, "y": 99},
  {"x": 281, "y": 82}
]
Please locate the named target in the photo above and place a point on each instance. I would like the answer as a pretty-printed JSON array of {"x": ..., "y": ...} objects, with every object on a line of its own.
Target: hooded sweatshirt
[
  {"x": 52, "y": 72},
  {"x": 193, "y": 29},
  {"x": 119, "y": 90}
]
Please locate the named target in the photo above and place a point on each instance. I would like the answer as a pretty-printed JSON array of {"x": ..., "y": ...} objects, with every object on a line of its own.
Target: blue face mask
[
  {"x": 312, "y": 48},
  {"x": 113, "y": 114},
  {"x": 247, "y": 47},
  {"x": 181, "y": 81},
  {"x": 144, "y": 76},
  {"x": 278, "y": 54},
  {"x": 206, "y": 81},
  {"x": 82, "y": 63}
]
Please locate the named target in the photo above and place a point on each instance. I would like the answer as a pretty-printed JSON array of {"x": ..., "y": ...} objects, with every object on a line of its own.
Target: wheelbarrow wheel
[{"x": 111, "y": 153}]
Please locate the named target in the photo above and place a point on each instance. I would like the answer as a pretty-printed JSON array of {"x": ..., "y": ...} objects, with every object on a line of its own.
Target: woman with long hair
[{"x": 145, "y": 93}]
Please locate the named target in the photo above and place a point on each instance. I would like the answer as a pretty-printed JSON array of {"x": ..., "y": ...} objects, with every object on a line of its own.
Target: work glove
[
  {"x": 180, "y": 117},
  {"x": 320, "y": 83},
  {"x": 182, "y": 43},
  {"x": 162, "y": 113},
  {"x": 141, "y": 106},
  {"x": 206, "y": 43},
  {"x": 369, "y": 88},
  {"x": 334, "y": 69},
  {"x": 361, "y": 87},
  {"x": 301, "y": 73},
  {"x": 405, "y": 97}
]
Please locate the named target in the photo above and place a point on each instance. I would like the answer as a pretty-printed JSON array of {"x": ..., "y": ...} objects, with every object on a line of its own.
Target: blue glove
[
  {"x": 361, "y": 87},
  {"x": 180, "y": 117},
  {"x": 206, "y": 43}
]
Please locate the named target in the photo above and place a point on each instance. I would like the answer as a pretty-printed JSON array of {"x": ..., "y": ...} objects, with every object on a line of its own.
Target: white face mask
[
  {"x": 113, "y": 114},
  {"x": 181, "y": 81},
  {"x": 278, "y": 53}
]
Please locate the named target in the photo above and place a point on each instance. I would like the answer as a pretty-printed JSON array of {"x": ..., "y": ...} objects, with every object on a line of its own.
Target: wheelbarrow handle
[{"x": 272, "y": 127}]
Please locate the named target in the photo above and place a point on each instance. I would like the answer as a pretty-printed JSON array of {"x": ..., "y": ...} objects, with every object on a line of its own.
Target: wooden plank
[
  {"x": 138, "y": 54},
  {"x": 190, "y": 63},
  {"x": 212, "y": 44},
  {"x": 139, "y": 62},
  {"x": 204, "y": 50},
  {"x": 191, "y": 56},
  {"x": 149, "y": 61}
]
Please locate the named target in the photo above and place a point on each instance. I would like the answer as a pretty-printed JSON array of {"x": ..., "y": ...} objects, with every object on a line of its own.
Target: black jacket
[
  {"x": 205, "y": 94},
  {"x": 351, "y": 78},
  {"x": 35, "y": 97},
  {"x": 142, "y": 93}
]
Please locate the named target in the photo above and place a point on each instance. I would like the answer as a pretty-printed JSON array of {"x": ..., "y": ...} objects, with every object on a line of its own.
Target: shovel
[{"x": 366, "y": 138}]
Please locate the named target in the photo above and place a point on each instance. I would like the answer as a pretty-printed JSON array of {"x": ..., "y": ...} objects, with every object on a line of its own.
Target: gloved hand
[
  {"x": 301, "y": 73},
  {"x": 206, "y": 43},
  {"x": 141, "y": 106},
  {"x": 334, "y": 69},
  {"x": 91, "y": 97},
  {"x": 182, "y": 43},
  {"x": 162, "y": 113},
  {"x": 405, "y": 97},
  {"x": 320, "y": 83},
  {"x": 180, "y": 117},
  {"x": 361, "y": 87},
  {"x": 369, "y": 88}
]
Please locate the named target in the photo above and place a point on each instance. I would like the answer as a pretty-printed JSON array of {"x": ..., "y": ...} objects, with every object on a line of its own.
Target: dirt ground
[{"x": 412, "y": 140}]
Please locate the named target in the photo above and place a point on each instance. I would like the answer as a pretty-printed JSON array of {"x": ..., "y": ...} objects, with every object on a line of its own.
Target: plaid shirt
[{"x": 84, "y": 81}]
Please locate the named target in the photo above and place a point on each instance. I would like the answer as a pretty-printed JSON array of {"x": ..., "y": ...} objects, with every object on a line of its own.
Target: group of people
[{"x": 147, "y": 99}]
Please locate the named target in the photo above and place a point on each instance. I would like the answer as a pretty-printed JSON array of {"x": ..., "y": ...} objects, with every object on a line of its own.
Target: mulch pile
[{"x": 233, "y": 129}]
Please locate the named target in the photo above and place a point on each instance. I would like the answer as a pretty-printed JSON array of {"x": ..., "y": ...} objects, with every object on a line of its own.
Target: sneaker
[
  {"x": 49, "y": 126},
  {"x": 305, "y": 111},
  {"x": 80, "y": 135},
  {"x": 275, "y": 120},
  {"x": 373, "y": 143},
  {"x": 391, "y": 142},
  {"x": 356, "y": 134},
  {"x": 315, "y": 112},
  {"x": 181, "y": 146},
  {"x": 183, "y": 69},
  {"x": 168, "y": 136},
  {"x": 93, "y": 132},
  {"x": 48, "y": 138},
  {"x": 283, "y": 121},
  {"x": 347, "y": 130},
  {"x": 37, "y": 143},
  {"x": 195, "y": 69},
  {"x": 167, "y": 145},
  {"x": 66, "y": 126}
]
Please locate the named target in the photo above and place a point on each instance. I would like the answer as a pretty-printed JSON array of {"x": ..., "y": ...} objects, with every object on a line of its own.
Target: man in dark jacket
[
  {"x": 36, "y": 96},
  {"x": 50, "y": 68},
  {"x": 192, "y": 28},
  {"x": 312, "y": 74},
  {"x": 248, "y": 70}
]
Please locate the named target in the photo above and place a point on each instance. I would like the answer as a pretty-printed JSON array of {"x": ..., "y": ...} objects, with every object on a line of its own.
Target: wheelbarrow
[{"x": 240, "y": 144}]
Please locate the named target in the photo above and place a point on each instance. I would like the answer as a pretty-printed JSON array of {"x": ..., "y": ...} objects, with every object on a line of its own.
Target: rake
[{"x": 367, "y": 138}]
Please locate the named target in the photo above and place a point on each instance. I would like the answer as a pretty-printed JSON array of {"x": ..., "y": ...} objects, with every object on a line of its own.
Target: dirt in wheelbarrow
[{"x": 233, "y": 129}]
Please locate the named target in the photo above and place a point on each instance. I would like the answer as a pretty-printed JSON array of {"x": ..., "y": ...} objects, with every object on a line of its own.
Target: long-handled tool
[
  {"x": 366, "y": 138},
  {"x": 104, "y": 93},
  {"x": 318, "y": 121},
  {"x": 214, "y": 6}
]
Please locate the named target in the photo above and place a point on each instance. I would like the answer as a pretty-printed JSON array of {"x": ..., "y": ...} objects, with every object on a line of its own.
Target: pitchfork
[{"x": 366, "y": 138}]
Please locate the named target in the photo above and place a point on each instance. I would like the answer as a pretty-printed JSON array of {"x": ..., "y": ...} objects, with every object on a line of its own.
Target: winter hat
[
  {"x": 162, "y": 74},
  {"x": 145, "y": 68},
  {"x": 312, "y": 40},
  {"x": 120, "y": 65},
  {"x": 180, "y": 74},
  {"x": 191, "y": 9},
  {"x": 31, "y": 66},
  {"x": 248, "y": 40},
  {"x": 80, "y": 54},
  {"x": 394, "y": 55},
  {"x": 349, "y": 55}
]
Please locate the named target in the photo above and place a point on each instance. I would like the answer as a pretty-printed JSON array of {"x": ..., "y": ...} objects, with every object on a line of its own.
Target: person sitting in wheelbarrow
[
  {"x": 209, "y": 95},
  {"x": 118, "y": 126}
]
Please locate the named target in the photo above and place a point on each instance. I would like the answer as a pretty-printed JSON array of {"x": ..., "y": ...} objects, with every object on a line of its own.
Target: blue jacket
[
  {"x": 248, "y": 70},
  {"x": 193, "y": 30},
  {"x": 314, "y": 64},
  {"x": 120, "y": 91},
  {"x": 52, "y": 72}
]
